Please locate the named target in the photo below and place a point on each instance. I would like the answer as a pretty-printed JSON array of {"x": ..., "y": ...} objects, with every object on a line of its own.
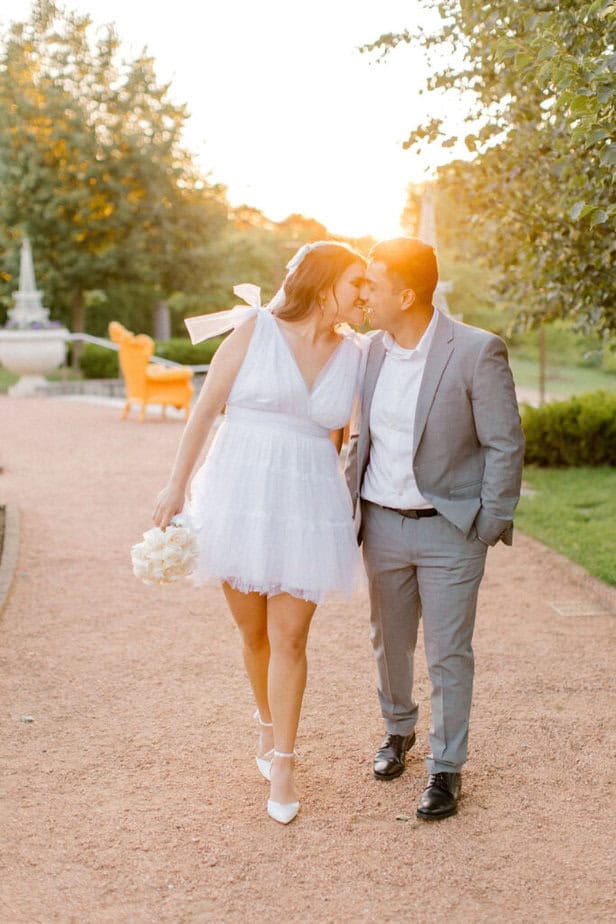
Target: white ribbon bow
[{"x": 205, "y": 326}]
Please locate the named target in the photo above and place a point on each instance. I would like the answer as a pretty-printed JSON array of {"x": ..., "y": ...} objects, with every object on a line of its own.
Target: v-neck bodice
[
  {"x": 270, "y": 378},
  {"x": 322, "y": 371},
  {"x": 270, "y": 505}
]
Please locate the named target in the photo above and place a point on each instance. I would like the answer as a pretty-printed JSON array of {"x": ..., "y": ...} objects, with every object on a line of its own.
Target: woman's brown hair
[{"x": 319, "y": 271}]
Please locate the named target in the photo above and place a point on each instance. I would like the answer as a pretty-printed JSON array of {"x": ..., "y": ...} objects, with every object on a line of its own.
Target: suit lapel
[
  {"x": 375, "y": 361},
  {"x": 373, "y": 367},
  {"x": 438, "y": 357}
]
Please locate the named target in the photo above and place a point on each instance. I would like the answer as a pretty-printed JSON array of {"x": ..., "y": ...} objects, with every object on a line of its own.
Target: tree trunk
[
  {"x": 162, "y": 321},
  {"x": 542, "y": 364},
  {"x": 78, "y": 325}
]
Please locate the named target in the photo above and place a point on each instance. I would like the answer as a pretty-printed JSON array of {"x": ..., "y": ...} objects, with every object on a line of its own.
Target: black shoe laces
[
  {"x": 440, "y": 780},
  {"x": 392, "y": 741}
]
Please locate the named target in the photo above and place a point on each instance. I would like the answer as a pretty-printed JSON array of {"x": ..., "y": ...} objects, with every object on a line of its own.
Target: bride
[{"x": 270, "y": 505}]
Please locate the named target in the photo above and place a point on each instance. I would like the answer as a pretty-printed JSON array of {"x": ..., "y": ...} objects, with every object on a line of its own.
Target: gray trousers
[{"x": 423, "y": 568}]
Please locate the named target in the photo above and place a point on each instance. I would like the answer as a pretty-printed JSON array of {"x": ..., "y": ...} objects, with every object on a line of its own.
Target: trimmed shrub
[
  {"x": 100, "y": 363},
  {"x": 608, "y": 361},
  {"x": 97, "y": 362},
  {"x": 181, "y": 350},
  {"x": 580, "y": 431}
]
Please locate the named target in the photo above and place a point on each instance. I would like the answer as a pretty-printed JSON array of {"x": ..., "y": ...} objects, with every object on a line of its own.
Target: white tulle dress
[{"x": 270, "y": 504}]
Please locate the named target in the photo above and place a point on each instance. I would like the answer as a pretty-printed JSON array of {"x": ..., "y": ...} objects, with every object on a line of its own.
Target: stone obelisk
[{"x": 427, "y": 232}]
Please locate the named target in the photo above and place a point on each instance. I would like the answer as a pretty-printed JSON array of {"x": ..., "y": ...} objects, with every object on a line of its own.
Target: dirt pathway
[{"x": 132, "y": 795}]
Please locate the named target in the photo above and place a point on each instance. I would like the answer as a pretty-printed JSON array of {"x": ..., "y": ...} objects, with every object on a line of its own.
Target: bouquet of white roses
[{"x": 165, "y": 555}]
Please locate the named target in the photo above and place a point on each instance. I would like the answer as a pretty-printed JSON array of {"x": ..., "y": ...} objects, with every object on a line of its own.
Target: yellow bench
[{"x": 146, "y": 382}]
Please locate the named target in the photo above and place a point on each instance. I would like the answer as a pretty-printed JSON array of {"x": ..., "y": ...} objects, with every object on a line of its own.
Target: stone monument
[
  {"x": 30, "y": 344},
  {"x": 427, "y": 233}
]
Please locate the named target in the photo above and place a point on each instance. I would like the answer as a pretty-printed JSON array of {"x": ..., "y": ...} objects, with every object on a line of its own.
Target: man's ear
[{"x": 408, "y": 297}]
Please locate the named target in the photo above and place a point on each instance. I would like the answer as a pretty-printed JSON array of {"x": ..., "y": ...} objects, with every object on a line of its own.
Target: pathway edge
[
  {"x": 583, "y": 578},
  {"x": 10, "y": 550}
]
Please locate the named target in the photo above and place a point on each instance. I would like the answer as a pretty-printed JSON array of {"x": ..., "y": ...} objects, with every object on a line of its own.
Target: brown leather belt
[{"x": 415, "y": 514}]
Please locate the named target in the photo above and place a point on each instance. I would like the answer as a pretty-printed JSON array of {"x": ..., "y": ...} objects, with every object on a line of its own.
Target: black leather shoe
[
  {"x": 390, "y": 757},
  {"x": 440, "y": 797}
]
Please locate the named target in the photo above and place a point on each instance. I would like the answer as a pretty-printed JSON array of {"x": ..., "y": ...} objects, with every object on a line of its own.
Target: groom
[{"x": 434, "y": 472}]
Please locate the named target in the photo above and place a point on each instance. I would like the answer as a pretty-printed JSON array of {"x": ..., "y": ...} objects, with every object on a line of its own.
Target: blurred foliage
[
  {"x": 98, "y": 362},
  {"x": 576, "y": 361},
  {"x": 580, "y": 431},
  {"x": 537, "y": 201},
  {"x": 92, "y": 168},
  {"x": 181, "y": 350}
]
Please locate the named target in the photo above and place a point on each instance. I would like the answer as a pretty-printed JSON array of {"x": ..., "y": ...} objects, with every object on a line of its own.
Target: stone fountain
[{"x": 30, "y": 344}]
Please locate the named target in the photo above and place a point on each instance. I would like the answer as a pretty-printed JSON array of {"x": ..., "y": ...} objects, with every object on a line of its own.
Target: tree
[
  {"x": 539, "y": 192},
  {"x": 92, "y": 167}
]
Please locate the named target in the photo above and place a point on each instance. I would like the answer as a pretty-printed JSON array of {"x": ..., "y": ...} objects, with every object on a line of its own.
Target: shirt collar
[{"x": 421, "y": 350}]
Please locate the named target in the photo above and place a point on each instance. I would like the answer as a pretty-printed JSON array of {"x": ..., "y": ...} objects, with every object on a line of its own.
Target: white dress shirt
[{"x": 389, "y": 479}]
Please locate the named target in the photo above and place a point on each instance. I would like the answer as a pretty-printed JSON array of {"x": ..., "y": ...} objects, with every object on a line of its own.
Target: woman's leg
[
  {"x": 250, "y": 614},
  {"x": 288, "y": 620}
]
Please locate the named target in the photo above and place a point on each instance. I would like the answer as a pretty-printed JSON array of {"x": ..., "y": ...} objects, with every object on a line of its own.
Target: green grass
[
  {"x": 574, "y": 363},
  {"x": 573, "y": 512},
  {"x": 65, "y": 374},
  {"x": 6, "y": 380},
  {"x": 560, "y": 381}
]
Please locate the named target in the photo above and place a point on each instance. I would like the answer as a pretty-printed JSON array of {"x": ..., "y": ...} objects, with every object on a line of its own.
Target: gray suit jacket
[{"x": 468, "y": 446}]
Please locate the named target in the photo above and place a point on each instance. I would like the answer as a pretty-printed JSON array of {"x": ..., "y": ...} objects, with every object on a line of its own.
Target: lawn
[
  {"x": 560, "y": 381},
  {"x": 574, "y": 512},
  {"x": 6, "y": 379}
]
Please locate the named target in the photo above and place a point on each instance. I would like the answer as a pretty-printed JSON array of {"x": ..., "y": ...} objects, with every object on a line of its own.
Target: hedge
[
  {"x": 576, "y": 432},
  {"x": 98, "y": 362},
  {"x": 181, "y": 350}
]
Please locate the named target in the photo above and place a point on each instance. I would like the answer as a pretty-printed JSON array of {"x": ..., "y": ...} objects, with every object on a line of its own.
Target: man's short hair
[{"x": 411, "y": 264}]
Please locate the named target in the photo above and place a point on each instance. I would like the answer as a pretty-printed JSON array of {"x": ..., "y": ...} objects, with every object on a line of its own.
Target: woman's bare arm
[{"x": 219, "y": 380}]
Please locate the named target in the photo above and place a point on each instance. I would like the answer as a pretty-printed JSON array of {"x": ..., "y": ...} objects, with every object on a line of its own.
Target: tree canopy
[
  {"x": 538, "y": 195},
  {"x": 92, "y": 166},
  {"x": 93, "y": 169}
]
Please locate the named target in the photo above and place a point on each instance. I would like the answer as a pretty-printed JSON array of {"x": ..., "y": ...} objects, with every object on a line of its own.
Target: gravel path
[{"x": 132, "y": 794}]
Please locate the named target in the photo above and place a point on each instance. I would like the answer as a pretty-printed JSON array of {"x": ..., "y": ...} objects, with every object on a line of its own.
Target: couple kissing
[{"x": 431, "y": 481}]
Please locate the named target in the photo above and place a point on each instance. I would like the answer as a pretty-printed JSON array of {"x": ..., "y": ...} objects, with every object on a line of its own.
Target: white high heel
[
  {"x": 264, "y": 763},
  {"x": 283, "y": 812}
]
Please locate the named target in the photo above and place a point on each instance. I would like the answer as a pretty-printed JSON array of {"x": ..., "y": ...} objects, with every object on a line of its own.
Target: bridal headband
[{"x": 205, "y": 326}]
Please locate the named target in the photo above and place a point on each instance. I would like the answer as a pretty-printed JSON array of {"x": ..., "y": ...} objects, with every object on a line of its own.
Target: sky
[{"x": 285, "y": 111}]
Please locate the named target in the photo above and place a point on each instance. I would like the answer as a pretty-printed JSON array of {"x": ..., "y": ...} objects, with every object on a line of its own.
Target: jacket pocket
[{"x": 466, "y": 489}]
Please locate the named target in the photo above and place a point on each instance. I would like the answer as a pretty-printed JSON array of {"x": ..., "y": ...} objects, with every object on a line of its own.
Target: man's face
[{"x": 382, "y": 299}]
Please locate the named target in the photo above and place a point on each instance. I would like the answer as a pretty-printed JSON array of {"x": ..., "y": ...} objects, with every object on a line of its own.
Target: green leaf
[
  {"x": 579, "y": 210},
  {"x": 581, "y": 104},
  {"x": 608, "y": 156},
  {"x": 524, "y": 59},
  {"x": 598, "y": 217},
  {"x": 610, "y": 8},
  {"x": 606, "y": 93},
  {"x": 598, "y": 134}
]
